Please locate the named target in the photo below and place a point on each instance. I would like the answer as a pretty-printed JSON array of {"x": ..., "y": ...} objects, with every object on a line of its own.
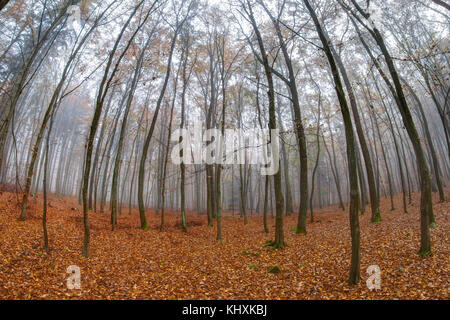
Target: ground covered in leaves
[{"x": 130, "y": 263}]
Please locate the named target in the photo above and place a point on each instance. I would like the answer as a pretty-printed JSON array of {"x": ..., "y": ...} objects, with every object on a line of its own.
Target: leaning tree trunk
[
  {"x": 266, "y": 180},
  {"x": 44, "y": 212},
  {"x": 279, "y": 200},
  {"x": 137, "y": 73},
  {"x": 3, "y": 3},
  {"x": 351, "y": 154},
  {"x": 374, "y": 200},
  {"x": 435, "y": 162},
  {"x": 316, "y": 163},
  {"x": 102, "y": 93},
  {"x": 165, "y": 160},
  {"x": 141, "y": 174},
  {"x": 426, "y": 205}
]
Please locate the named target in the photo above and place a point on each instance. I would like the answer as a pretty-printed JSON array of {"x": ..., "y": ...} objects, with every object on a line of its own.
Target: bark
[
  {"x": 266, "y": 179},
  {"x": 287, "y": 184},
  {"x": 435, "y": 162},
  {"x": 442, "y": 4},
  {"x": 333, "y": 166},
  {"x": 279, "y": 221},
  {"x": 374, "y": 201},
  {"x": 223, "y": 77},
  {"x": 316, "y": 163},
  {"x": 102, "y": 92},
  {"x": 44, "y": 212},
  {"x": 185, "y": 78},
  {"x": 300, "y": 132},
  {"x": 152, "y": 128},
  {"x": 136, "y": 76},
  {"x": 388, "y": 171},
  {"x": 354, "y": 277},
  {"x": 426, "y": 206},
  {"x": 166, "y": 158},
  {"x": 3, "y": 3}
]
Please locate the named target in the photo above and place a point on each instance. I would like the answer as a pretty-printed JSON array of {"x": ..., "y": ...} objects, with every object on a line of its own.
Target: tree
[
  {"x": 102, "y": 92},
  {"x": 178, "y": 25},
  {"x": 3, "y": 3},
  {"x": 351, "y": 154},
  {"x": 279, "y": 222},
  {"x": 426, "y": 206}
]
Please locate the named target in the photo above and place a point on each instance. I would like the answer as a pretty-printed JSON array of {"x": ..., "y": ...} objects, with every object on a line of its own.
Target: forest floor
[{"x": 130, "y": 263}]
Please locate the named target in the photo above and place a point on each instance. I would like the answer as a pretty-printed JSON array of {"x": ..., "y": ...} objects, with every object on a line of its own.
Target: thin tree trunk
[{"x": 351, "y": 154}]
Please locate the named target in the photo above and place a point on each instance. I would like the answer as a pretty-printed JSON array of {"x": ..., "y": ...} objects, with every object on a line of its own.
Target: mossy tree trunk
[
  {"x": 354, "y": 277},
  {"x": 426, "y": 205}
]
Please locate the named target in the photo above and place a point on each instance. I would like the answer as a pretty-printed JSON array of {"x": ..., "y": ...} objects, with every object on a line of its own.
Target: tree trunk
[{"x": 351, "y": 154}]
